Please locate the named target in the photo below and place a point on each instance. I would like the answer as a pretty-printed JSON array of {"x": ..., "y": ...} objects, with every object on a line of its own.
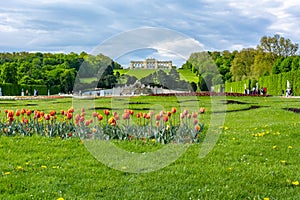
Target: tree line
[
  {"x": 273, "y": 55},
  {"x": 53, "y": 69}
]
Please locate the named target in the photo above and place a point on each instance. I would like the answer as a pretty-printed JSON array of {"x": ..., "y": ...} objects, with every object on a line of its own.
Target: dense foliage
[
  {"x": 54, "y": 69},
  {"x": 274, "y": 55},
  {"x": 169, "y": 80}
]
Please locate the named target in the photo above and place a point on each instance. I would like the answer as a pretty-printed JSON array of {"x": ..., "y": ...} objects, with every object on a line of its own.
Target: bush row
[
  {"x": 276, "y": 84},
  {"x": 9, "y": 89}
]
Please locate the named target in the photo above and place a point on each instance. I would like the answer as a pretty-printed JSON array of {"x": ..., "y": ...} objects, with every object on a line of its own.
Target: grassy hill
[{"x": 185, "y": 74}]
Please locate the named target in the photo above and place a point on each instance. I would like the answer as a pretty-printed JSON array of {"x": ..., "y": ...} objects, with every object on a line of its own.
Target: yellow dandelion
[
  {"x": 229, "y": 169},
  {"x": 55, "y": 167},
  {"x": 283, "y": 162},
  {"x": 233, "y": 138},
  {"x": 60, "y": 198},
  {"x": 290, "y": 147},
  {"x": 19, "y": 168},
  {"x": 266, "y": 198},
  {"x": 124, "y": 168},
  {"x": 27, "y": 163},
  {"x": 153, "y": 140},
  {"x": 44, "y": 167},
  {"x": 274, "y": 147},
  {"x": 295, "y": 183},
  {"x": 6, "y": 173}
]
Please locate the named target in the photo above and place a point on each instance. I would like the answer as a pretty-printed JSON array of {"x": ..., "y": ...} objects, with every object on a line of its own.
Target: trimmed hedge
[
  {"x": 9, "y": 89},
  {"x": 275, "y": 83}
]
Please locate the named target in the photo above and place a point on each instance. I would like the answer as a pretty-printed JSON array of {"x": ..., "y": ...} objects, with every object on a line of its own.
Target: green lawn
[
  {"x": 88, "y": 80},
  {"x": 185, "y": 74},
  {"x": 138, "y": 73},
  {"x": 256, "y": 156}
]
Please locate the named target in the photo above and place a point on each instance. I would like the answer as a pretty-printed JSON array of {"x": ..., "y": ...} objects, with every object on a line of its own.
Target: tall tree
[
  {"x": 9, "y": 73},
  {"x": 277, "y": 46},
  {"x": 263, "y": 63},
  {"x": 242, "y": 64}
]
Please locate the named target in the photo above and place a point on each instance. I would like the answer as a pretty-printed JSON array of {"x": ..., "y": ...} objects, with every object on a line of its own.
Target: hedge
[
  {"x": 275, "y": 83},
  {"x": 9, "y": 89}
]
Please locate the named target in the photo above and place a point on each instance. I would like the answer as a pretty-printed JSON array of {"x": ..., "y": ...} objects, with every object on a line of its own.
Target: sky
[{"x": 76, "y": 26}]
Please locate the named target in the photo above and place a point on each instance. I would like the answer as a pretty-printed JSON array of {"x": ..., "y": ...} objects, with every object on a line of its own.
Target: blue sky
[{"x": 69, "y": 25}]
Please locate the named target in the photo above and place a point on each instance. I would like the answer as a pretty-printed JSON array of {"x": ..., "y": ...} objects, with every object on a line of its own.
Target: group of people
[
  {"x": 288, "y": 92},
  {"x": 262, "y": 91}
]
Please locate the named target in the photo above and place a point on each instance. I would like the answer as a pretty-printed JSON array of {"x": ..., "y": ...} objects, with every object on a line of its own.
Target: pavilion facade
[{"x": 151, "y": 63}]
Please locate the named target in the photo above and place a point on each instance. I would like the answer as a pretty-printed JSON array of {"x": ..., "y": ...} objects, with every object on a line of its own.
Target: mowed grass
[
  {"x": 88, "y": 80},
  {"x": 188, "y": 75},
  {"x": 256, "y": 156},
  {"x": 185, "y": 74}
]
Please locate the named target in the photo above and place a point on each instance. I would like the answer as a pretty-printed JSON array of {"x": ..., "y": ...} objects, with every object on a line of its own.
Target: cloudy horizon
[{"x": 76, "y": 26}]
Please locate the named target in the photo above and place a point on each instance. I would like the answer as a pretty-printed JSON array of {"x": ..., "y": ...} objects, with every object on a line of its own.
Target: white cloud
[{"x": 63, "y": 24}]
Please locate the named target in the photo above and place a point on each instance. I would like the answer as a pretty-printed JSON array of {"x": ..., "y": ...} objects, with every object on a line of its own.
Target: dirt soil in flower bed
[
  {"x": 209, "y": 94},
  {"x": 295, "y": 110},
  {"x": 31, "y": 97}
]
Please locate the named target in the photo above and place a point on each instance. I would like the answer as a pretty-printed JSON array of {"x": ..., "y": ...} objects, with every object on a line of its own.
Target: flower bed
[
  {"x": 209, "y": 94},
  {"x": 163, "y": 127}
]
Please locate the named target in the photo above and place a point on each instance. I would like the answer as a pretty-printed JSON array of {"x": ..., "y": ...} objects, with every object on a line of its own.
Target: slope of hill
[{"x": 185, "y": 74}]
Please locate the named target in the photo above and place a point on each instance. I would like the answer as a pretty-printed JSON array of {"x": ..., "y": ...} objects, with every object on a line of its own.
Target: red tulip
[
  {"x": 131, "y": 112},
  {"x": 95, "y": 114},
  {"x": 69, "y": 115},
  {"x": 166, "y": 118},
  {"x": 194, "y": 115},
  {"x": 173, "y": 110},
  {"x": 106, "y": 112},
  {"x": 148, "y": 116},
  {"x": 185, "y": 112},
  {"x": 71, "y": 110},
  {"x": 23, "y": 111},
  {"x": 24, "y": 120},
  {"x": 100, "y": 117},
  {"x": 202, "y": 110},
  {"x": 112, "y": 121},
  {"x": 10, "y": 114},
  {"x": 197, "y": 128},
  {"x": 182, "y": 115},
  {"x": 157, "y": 123},
  {"x": 195, "y": 121},
  {"x": 52, "y": 112},
  {"x": 157, "y": 117},
  {"x": 169, "y": 113},
  {"x": 18, "y": 113},
  {"x": 47, "y": 117},
  {"x": 126, "y": 115}
]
